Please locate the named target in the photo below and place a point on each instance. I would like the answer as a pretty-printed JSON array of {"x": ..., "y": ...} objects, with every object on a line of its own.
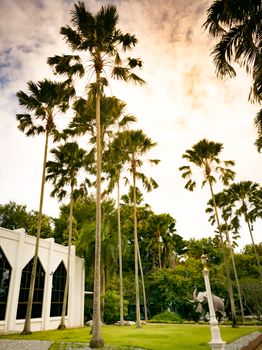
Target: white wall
[{"x": 19, "y": 249}]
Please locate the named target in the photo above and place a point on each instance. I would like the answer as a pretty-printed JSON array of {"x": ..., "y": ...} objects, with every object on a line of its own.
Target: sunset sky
[{"x": 182, "y": 103}]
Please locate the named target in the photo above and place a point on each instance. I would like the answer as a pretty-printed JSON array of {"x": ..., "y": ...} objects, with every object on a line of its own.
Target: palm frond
[
  {"x": 120, "y": 73},
  {"x": 72, "y": 37},
  {"x": 222, "y": 54},
  {"x": 136, "y": 79},
  {"x": 214, "y": 14},
  {"x": 30, "y": 102},
  {"x": 190, "y": 185},
  {"x": 127, "y": 41},
  {"x": 126, "y": 120},
  {"x": 135, "y": 62},
  {"x": 67, "y": 64},
  {"x": 154, "y": 161}
]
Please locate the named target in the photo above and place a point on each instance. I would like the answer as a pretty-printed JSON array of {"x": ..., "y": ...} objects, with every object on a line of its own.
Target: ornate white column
[{"x": 216, "y": 342}]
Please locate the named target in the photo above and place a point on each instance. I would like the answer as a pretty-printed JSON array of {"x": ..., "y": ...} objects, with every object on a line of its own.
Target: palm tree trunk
[
  {"x": 254, "y": 246},
  {"x": 229, "y": 283},
  {"x": 27, "y": 325},
  {"x": 159, "y": 248},
  {"x": 235, "y": 273},
  {"x": 62, "y": 322},
  {"x": 120, "y": 255},
  {"x": 97, "y": 340},
  {"x": 103, "y": 290},
  {"x": 143, "y": 284},
  {"x": 138, "y": 320}
]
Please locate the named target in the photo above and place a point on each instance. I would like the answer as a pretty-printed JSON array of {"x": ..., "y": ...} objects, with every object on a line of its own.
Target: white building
[{"x": 16, "y": 258}]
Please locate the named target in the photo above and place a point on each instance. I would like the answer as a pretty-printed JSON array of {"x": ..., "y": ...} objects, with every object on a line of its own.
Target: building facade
[{"x": 16, "y": 260}]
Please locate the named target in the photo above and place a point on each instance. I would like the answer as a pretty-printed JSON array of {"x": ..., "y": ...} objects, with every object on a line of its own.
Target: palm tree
[
  {"x": 238, "y": 26},
  {"x": 136, "y": 144},
  {"x": 46, "y": 100},
  {"x": 115, "y": 176},
  {"x": 97, "y": 34},
  {"x": 112, "y": 119},
  {"x": 114, "y": 165},
  {"x": 204, "y": 155},
  {"x": 223, "y": 203},
  {"x": 246, "y": 194},
  {"x": 63, "y": 171}
]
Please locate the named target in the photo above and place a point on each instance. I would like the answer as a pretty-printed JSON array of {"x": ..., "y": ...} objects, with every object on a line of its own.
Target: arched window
[
  {"x": 5, "y": 275},
  {"x": 38, "y": 291},
  {"x": 58, "y": 288}
]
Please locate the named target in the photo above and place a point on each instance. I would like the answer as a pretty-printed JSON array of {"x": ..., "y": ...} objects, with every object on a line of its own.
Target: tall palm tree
[
  {"x": 63, "y": 171},
  {"x": 245, "y": 194},
  {"x": 112, "y": 119},
  {"x": 226, "y": 208},
  {"x": 114, "y": 170},
  {"x": 99, "y": 36},
  {"x": 205, "y": 155},
  {"x": 136, "y": 144},
  {"x": 238, "y": 26},
  {"x": 115, "y": 159},
  {"x": 45, "y": 100}
]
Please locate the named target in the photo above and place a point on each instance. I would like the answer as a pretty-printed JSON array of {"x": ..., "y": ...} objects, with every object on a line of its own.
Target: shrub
[
  {"x": 111, "y": 310},
  {"x": 166, "y": 317}
]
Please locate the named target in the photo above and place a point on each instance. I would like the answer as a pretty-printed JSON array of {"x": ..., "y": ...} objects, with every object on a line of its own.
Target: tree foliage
[{"x": 238, "y": 27}]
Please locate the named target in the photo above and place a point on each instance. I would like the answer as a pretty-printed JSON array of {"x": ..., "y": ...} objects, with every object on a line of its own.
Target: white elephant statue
[{"x": 201, "y": 302}]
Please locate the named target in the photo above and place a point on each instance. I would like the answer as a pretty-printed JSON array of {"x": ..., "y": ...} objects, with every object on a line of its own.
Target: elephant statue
[{"x": 201, "y": 302}]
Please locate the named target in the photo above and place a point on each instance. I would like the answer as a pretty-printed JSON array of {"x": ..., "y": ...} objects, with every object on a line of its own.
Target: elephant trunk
[
  {"x": 195, "y": 296},
  {"x": 194, "y": 301}
]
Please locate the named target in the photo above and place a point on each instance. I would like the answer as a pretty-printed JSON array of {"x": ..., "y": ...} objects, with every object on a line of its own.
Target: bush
[
  {"x": 166, "y": 317},
  {"x": 111, "y": 310}
]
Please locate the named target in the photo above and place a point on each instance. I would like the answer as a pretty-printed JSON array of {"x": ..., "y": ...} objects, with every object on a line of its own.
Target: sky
[{"x": 182, "y": 102}]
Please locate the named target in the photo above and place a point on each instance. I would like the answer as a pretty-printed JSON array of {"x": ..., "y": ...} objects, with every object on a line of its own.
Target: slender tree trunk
[
  {"x": 120, "y": 256},
  {"x": 27, "y": 325},
  {"x": 159, "y": 248},
  {"x": 97, "y": 340},
  {"x": 229, "y": 283},
  {"x": 143, "y": 284},
  {"x": 254, "y": 246},
  {"x": 235, "y": 273},
  {"x": 103, "y": 290},
  {"x": 62, "y": 322},
  {"x": 138, "y": 320}
]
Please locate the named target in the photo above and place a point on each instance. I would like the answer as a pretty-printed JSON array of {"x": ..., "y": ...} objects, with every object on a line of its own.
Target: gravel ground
[{"x": 8, "y": 344}]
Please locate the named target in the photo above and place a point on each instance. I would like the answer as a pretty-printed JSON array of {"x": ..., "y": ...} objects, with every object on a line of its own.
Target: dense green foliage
[
  {"x": 172, "y": 266},
  {"x": 14, "y": 216}
]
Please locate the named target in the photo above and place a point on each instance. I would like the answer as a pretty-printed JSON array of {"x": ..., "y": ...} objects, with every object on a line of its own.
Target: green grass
[{"x": 150, "y": 336}]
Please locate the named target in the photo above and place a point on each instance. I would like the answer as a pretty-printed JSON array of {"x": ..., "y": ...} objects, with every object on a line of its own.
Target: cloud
[{"x": 182, "y": 102}]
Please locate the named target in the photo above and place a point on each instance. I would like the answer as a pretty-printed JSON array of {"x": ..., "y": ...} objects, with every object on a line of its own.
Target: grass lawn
[{"x": 150, "y": 336}]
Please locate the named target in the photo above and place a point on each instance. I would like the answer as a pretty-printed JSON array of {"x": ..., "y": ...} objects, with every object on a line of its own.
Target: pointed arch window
[
  {"x": 5, "y": 275},
  {"x": 58, "y": 289},
  {"x": 38, "y": 291}
]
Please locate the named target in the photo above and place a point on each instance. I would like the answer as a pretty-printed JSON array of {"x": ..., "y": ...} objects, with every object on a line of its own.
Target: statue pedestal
[{"x": 217, "y": 346}]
